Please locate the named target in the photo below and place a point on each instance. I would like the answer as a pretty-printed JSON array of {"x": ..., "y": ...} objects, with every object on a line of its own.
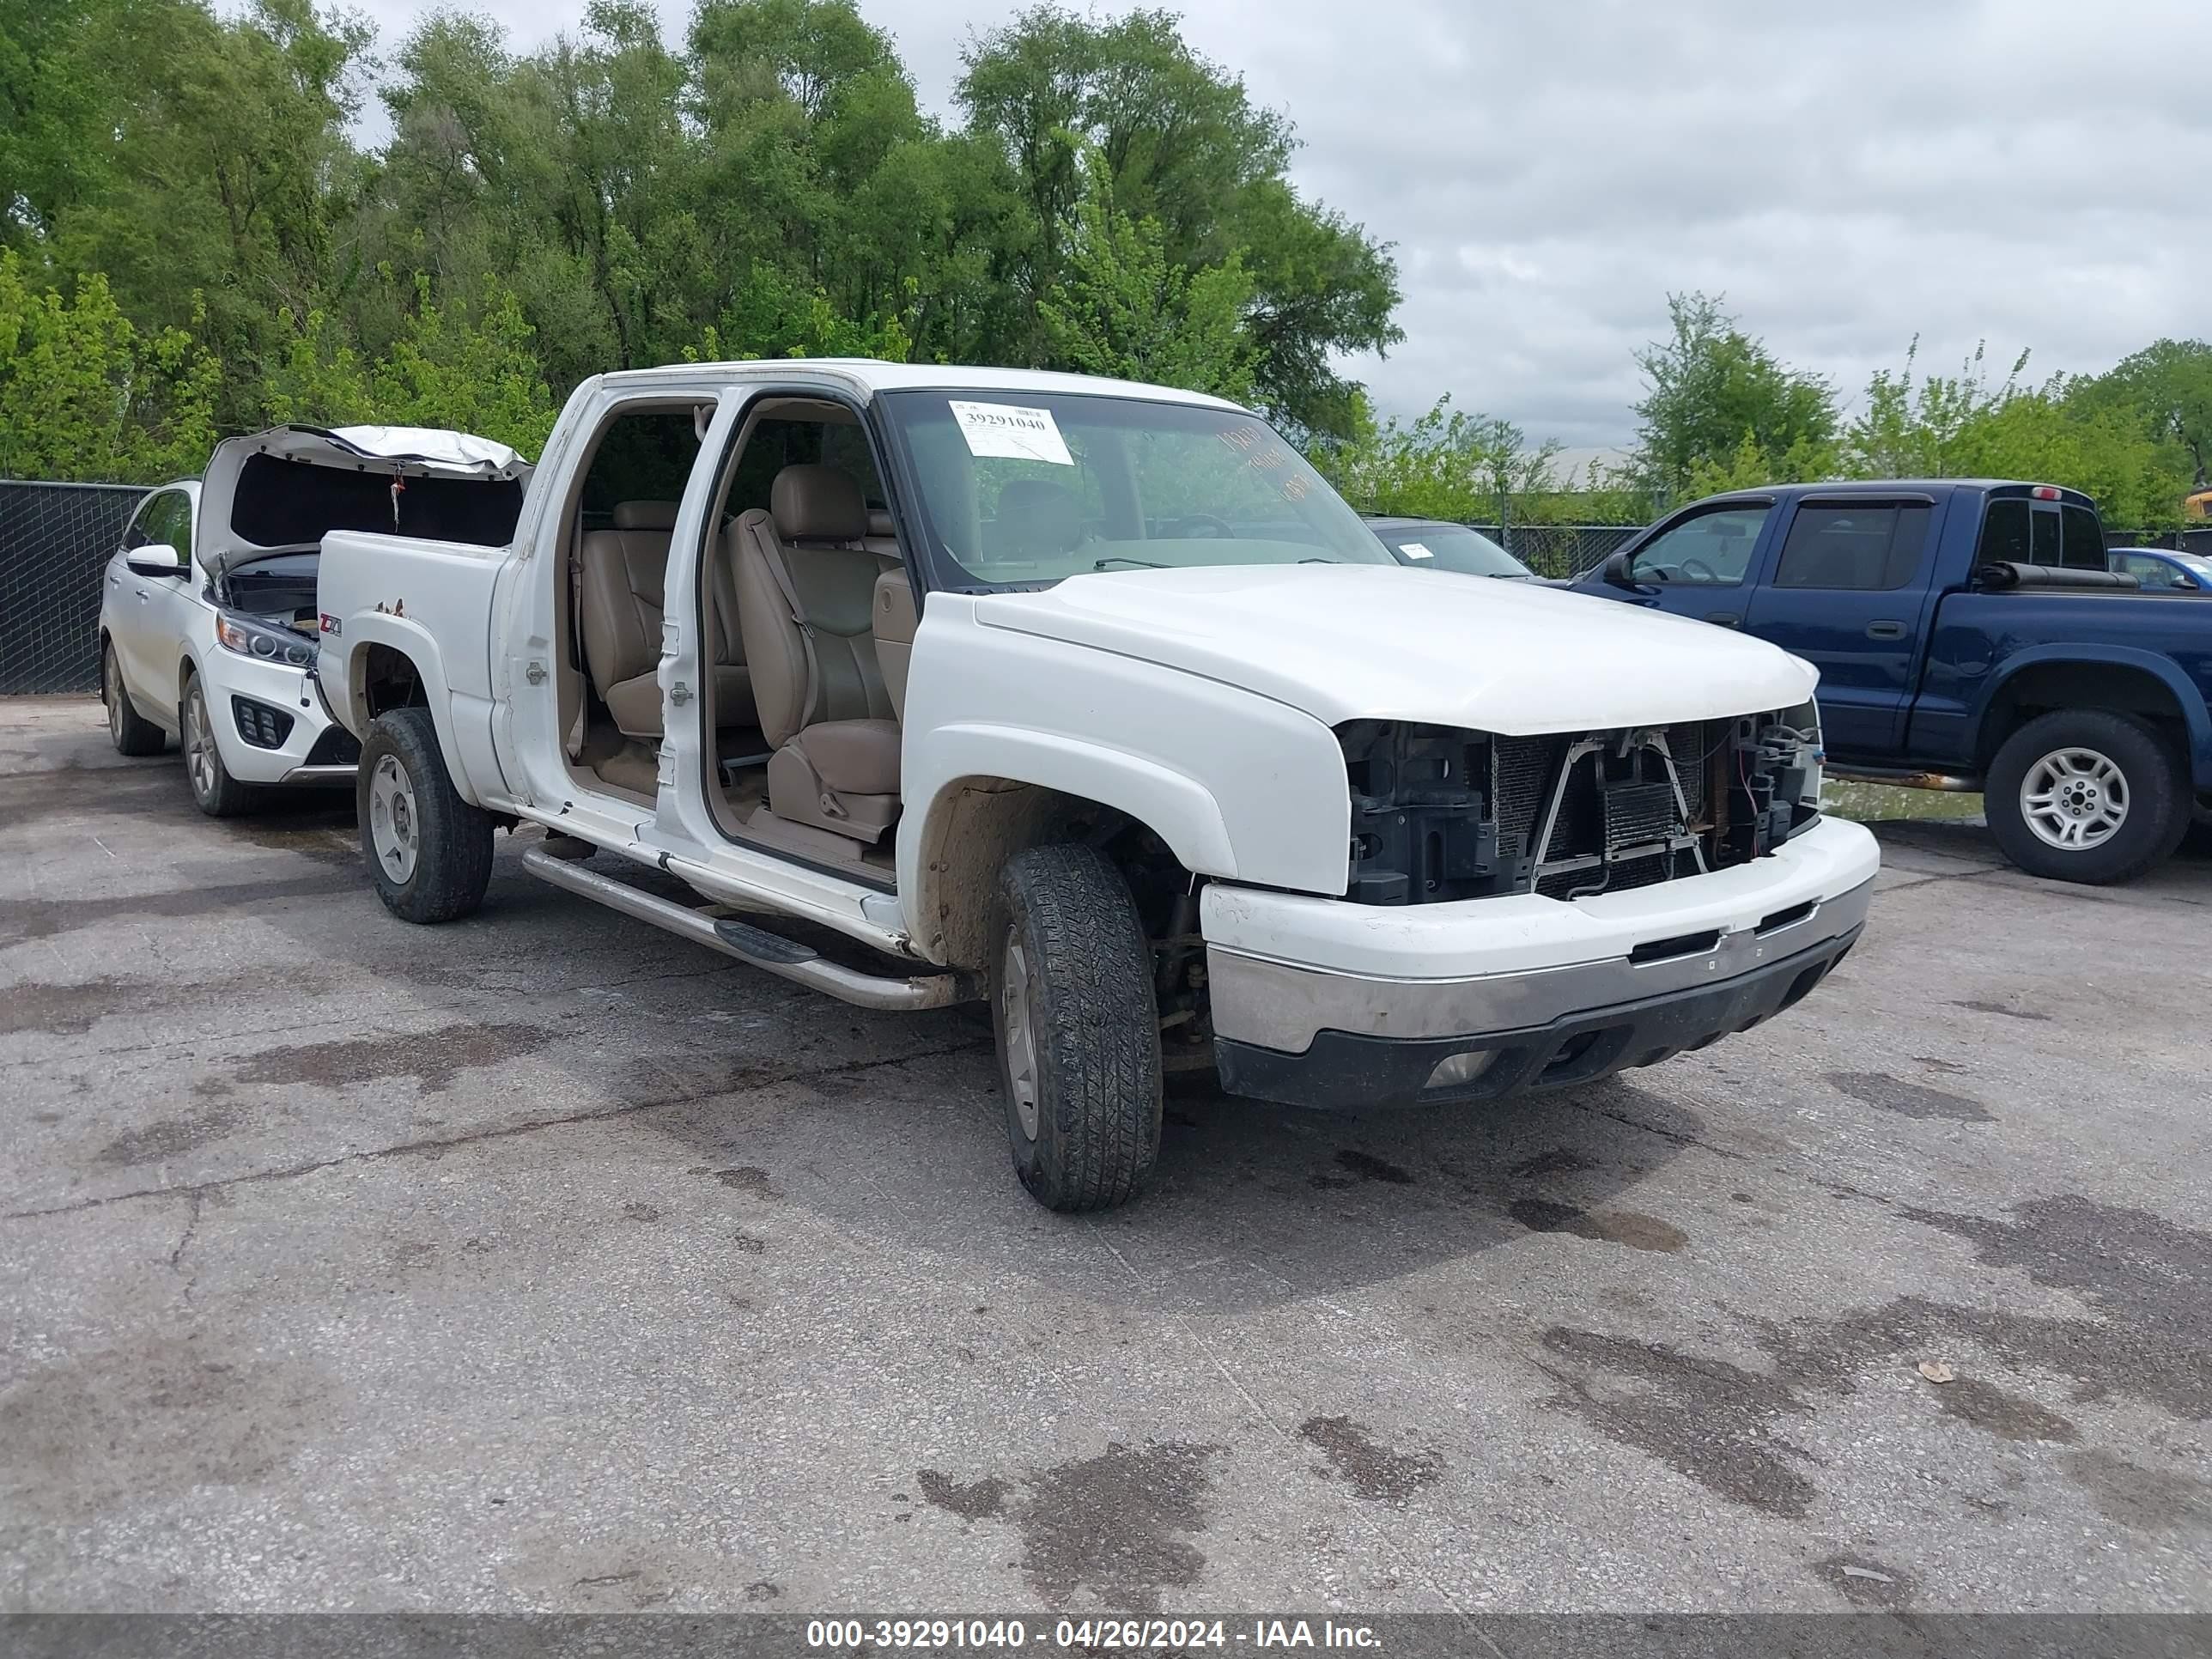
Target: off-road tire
[
  {"x": 452, "y": 839},
  {"x": 2158, "y": 802},
  {"x": 1094, "y": 1028},
  {"x": 132, "y": 733},
  {"x": 214, "y": 792}
]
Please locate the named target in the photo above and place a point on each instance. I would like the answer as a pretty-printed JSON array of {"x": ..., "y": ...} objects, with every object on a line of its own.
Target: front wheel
[
  {"x": 1078, "y": 1028},
  {"x": 132, "y": 733},
  {"x": 2087, "y": 795},
  {"x": 428, "y": 851},
  {"x": 214, "y": 792}
]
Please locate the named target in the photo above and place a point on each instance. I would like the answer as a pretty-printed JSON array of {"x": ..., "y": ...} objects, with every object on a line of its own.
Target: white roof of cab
[{"x": 869, "y": 375}]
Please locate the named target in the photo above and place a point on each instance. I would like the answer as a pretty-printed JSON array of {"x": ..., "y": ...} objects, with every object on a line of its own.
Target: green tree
[
  {"x": 1122, "y": 308},
  {"x": 1447, "y": 463},
  {"x": 1185, "y": 147},
  {"x": 2169, "y": 384},
  {"x": 1708, "y": 387},
  {"x": 473, "y": 369},
  {"x": 85, "y": 395},
  {"x": 210, "y": 171},
  {"x": 2067, "y": 431}
]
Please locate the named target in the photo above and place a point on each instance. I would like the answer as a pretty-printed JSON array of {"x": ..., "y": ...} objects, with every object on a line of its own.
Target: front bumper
[
  {"x": 314, "y": 749},
  {"x": 1322, "y": 1002}
]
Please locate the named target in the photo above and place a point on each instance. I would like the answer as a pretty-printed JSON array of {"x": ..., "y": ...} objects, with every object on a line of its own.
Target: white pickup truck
[{"x": 1093, "y": 700}]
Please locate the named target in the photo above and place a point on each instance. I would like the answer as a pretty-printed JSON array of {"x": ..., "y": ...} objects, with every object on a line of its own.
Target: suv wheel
[
  {"x": 1078, "y": 1028},
  {"x": 2086, "y": 795},
  {"x": 130, "y": 731},
  {"x": 214, "y": 792},
  {"x": 428, "y": 851}
]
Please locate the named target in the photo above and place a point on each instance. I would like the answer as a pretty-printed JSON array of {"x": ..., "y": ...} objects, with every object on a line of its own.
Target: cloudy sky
[{"x": 1849, "y": 173}]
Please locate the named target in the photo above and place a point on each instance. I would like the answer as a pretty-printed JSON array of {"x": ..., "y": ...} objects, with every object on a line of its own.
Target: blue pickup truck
[{"x": 1968, "y": 635}]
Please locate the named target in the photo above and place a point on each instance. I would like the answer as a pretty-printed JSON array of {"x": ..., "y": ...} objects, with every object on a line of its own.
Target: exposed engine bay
[{"x": 1439, "y": 814}]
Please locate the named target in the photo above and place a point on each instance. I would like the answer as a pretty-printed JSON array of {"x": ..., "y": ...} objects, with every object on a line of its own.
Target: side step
[{"x": 786, "y": 958}]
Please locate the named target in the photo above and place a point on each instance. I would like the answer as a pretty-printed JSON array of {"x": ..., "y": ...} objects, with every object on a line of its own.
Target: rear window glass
[
  {"x": 2083, "y": 538},
  {"x": 1870, "y": 549},
  {"x": 283, "y": 503},
  {"x": 645, "y": 456},
  {"x": 2004, "y": 534},
  {"x": 2043, "y": 536},
  {"x": 775, "y": 443}
]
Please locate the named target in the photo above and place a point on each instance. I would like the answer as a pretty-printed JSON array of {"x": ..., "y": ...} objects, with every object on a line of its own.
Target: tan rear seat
[{"x": 622, "y": 599}]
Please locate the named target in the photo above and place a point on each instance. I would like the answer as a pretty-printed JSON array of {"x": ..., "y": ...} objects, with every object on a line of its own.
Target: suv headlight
[{"x": 258, "y": 640}]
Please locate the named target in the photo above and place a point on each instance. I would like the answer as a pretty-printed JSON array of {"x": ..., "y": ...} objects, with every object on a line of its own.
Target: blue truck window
[
  {"x": 2084, "y": 538},
  {"x": 2046, "y": 538},
  {"x": 1713, "y": 549},
  {"x": 1866, "y": 548},
  {"x": 2004, "y": 534}
]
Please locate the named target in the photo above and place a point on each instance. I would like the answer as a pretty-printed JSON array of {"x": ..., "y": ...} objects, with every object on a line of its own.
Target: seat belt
[
  {"x": 764, "y": 536},
  {"x": 574, "y": 739}
]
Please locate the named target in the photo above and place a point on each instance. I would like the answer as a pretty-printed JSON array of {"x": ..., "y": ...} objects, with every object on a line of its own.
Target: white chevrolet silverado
[{"x": 1093, "y": 700}]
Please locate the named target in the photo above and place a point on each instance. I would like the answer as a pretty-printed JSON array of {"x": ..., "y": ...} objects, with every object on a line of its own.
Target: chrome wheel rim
[
  {"x": 394, "y": 831},
  {"x": 111, "y": 685},
  {"x": 200, "y": 757},
  {"x": 1020, "y": 1038},
  {"x": 2074, "y": 799}
]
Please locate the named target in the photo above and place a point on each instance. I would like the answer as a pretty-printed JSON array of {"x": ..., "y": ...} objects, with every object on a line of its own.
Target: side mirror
[
  {"x": 2187, "y": 581},
  {"x": 1615, "y": 571},
  {"x": 156, "y": 559}
]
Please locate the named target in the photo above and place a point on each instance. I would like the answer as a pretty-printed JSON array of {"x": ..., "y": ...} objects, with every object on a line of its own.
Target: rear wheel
[
  {"x": 1078, "y": 1028},
  {"x": 130, "y": 731},
  {"x": 428, "y": 851},
  {"x": 2087, "y": 795},
  {"x": 214, "y": 792}
]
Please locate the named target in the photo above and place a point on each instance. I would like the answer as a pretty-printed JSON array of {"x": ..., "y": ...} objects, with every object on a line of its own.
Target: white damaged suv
[
  {"x": 207, "y": 611},
  {"x": 1094, "y": 700}
]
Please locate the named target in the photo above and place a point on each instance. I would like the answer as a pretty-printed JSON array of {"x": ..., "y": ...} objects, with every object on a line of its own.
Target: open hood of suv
[
  {"x": 1356, "y": 641},
  {"x": 287, "y": 487}
]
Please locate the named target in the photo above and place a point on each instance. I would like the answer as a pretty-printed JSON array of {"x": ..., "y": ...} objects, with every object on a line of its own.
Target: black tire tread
[
  {"x": 452, "y": 865},
  {"x": 139, "y": 736},
  {"x": 2158, "y": 787},
  {"x": 232, "y": 799},
  {"x": 1097, "y": 1027}
]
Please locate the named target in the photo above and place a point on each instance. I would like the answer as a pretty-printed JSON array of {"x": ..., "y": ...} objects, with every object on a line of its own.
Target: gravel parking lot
[{"x": 543, "y": 1261}]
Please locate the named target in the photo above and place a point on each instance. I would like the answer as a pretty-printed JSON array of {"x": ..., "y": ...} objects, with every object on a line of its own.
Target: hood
[
  {"x": 252, "y": 501},
  {"x": 1350, "y": 642}
]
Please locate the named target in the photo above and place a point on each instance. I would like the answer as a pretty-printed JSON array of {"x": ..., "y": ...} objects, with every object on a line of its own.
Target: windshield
[
  {"x": 1031, "y": 487},
  {"x": 1450, "y": 547}
]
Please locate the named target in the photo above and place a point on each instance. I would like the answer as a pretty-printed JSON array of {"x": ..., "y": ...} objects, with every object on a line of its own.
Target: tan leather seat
[
  {"x": 806, "y": 589},
  {"x": 622, "y": 595}
]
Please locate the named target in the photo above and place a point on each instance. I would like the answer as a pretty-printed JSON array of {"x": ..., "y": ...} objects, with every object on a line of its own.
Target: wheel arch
[
  {"x": 394, "y": 663},
  {"x": 973, "y": 823},
  {"x": 2118, "y": 679}
]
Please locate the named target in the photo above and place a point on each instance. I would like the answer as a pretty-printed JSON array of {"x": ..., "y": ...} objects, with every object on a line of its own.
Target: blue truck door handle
[
  {"x": 1723, "y": 618},
  {"x": 1885, "y": 630}
]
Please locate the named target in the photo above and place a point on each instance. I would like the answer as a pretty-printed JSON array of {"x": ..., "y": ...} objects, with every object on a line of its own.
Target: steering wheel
[
  {"x": 1218, "y": 527},
  {"x": 1697, "y": 570}
]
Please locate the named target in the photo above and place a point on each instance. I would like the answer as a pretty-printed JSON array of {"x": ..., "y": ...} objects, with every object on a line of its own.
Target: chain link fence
[
  {"x": 54, "y": 540},
  {"x": 1559, "y": 550}
]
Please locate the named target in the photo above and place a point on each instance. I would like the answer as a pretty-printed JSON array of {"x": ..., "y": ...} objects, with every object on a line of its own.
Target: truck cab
[{"x": 1092, "y": 702}]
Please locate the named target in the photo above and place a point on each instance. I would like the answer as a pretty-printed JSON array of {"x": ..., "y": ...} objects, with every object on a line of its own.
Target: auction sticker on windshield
[
  {"x": 1008, "y": 431},
  {"x": 1415, "y": 551}
]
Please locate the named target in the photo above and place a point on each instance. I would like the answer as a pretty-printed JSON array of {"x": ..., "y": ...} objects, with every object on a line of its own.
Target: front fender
[
  {"x": 2196, "y": 718},
  {"x": 420, "y": 646},
  {"x": 1177, "y": 808}
]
